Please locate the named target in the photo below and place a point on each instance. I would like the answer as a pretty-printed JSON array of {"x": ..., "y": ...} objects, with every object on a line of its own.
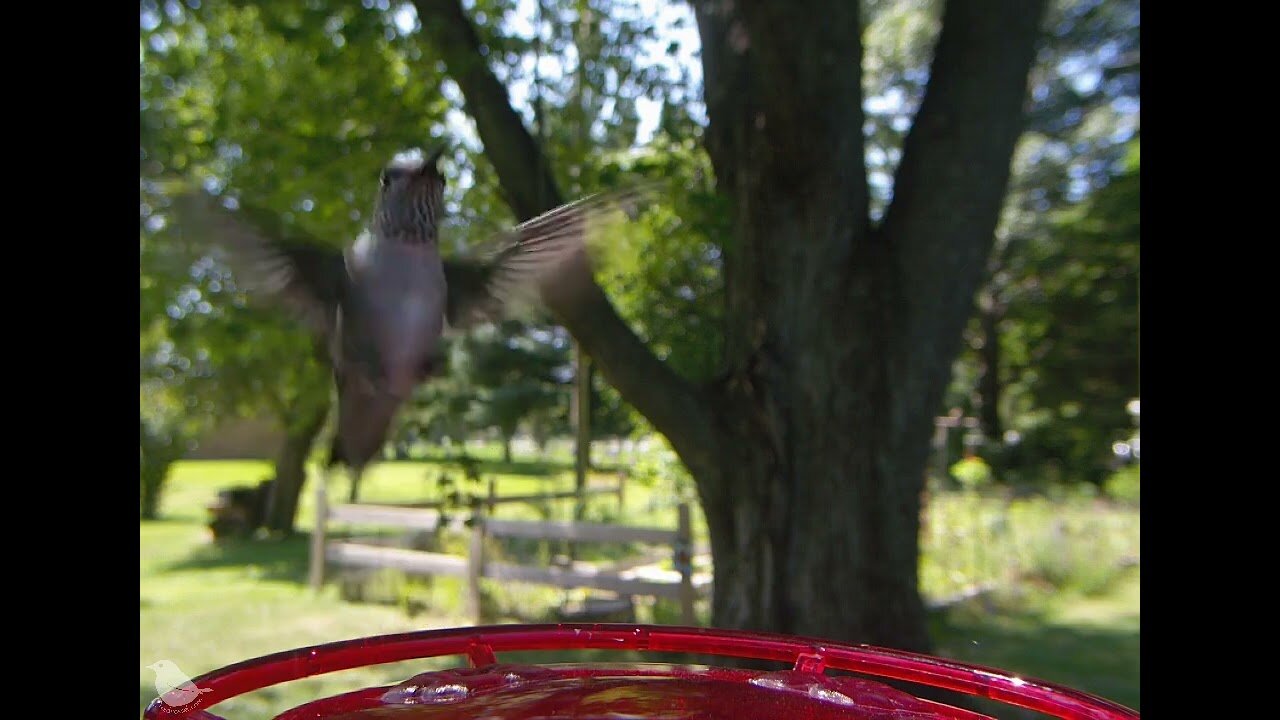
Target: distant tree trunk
[
  {"x": 506, "y": 447},
  {"x": 291, "y": 469},
  {"x": 809, "y": 451},
  {"x": 988, "y": 386},
  {"x": 540, "y": 438},
  {"x": 156, "y": 456},
  {"x": 151, "y": 475},
  {"x": 152, "y": 478},
  {"x": 989, "y": 315}
]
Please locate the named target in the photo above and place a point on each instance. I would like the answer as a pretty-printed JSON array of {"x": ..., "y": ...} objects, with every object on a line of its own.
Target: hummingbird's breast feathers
[{"x": 396, "y": 309}]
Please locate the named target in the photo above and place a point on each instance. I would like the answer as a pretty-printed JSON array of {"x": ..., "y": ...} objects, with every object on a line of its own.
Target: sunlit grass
[
  {"x": 1077, "y": 544},
  {"x": 204, "y": 605}
]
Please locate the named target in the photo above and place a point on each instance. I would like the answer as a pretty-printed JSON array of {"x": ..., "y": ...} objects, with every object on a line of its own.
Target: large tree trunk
[
  {"x": 846, "y": 331},
  {"x": 809, "y": 452},
  {"x": 291, "y": 469}
]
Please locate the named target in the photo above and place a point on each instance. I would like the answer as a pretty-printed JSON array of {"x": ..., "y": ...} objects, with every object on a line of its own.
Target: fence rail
[{"x": 679, "y": 585}]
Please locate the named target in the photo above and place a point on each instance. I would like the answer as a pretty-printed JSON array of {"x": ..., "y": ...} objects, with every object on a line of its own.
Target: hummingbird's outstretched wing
[
  {"x": 267, "y": 258},
  {"x": 488, "y": 290}
]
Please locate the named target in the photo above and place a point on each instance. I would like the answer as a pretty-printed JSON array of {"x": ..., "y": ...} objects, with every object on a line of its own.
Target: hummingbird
[{"x": 380, "y": 307}]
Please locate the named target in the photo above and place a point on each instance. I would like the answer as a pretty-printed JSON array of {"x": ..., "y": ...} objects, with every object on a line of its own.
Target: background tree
[
  {"x": 169, "y": 419},
  {"x": 1082, "y": 117},
  {"x": 239, "y": 98},
  {"x": 787, "y": 313},
  {"x": 1077, "y": 317},
  {"x": 809, "y": 448},
  {"x": 517, "y": 371},
  {"x": 205, "y": 362}
]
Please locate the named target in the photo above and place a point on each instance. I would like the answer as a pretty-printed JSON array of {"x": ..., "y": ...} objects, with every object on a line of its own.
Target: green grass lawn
[
  {"x": 204, "y": 605},
  {"x": 1087, "y": 643}
]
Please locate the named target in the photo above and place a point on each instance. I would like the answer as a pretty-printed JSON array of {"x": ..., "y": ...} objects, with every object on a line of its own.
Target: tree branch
[
  {"x": 521, "y": 166},
  {"x": 675, "y": 407},
  {"x": 952, "y": 180}
]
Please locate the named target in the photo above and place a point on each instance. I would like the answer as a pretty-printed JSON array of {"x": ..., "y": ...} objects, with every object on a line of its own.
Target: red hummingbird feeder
[{"x": 488, "y": 688}]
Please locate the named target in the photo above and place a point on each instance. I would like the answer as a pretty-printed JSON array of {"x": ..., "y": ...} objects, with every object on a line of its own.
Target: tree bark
[
  {"x": 841, "y": 335},
  {"x": 156, "y": 458},
  {"x": 153, "y": 476},
  {"x": 989, "y": 316},
  {"x": 291, "y": 469},
  {"x": 809, "y": 451}
]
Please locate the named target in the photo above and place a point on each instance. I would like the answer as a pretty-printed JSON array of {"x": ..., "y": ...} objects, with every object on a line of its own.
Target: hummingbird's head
[{"x": 411, "y": 199}]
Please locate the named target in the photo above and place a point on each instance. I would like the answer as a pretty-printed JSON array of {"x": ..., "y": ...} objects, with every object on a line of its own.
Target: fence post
[
  {"x": 475, "y": 566},
  {"x": 622, "y": 489},
  {"x": 684, "y": 563},
  {"x": 317, "y": 534}
]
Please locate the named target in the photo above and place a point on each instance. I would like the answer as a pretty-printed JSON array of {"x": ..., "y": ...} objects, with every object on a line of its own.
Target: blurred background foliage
[{"x": 294, "y": 105}]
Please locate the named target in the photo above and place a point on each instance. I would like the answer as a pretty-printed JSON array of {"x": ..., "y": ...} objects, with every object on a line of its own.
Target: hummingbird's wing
[
  {"x": 488, "y": 290},
  {"x": 267, "y": 258}
]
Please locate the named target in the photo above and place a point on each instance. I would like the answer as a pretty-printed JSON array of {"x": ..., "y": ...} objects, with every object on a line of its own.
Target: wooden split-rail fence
[{"x": 681, "y": 585}]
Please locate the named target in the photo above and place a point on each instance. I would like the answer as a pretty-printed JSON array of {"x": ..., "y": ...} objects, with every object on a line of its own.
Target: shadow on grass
[
  {"x": 275, "y": 559},
  {"x": 1103, "y": 661},
  {"x": 168, "y": 520}
]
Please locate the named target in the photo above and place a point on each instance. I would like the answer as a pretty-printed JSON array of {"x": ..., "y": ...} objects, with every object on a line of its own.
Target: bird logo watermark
[{"x": 176, "y": 691}]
